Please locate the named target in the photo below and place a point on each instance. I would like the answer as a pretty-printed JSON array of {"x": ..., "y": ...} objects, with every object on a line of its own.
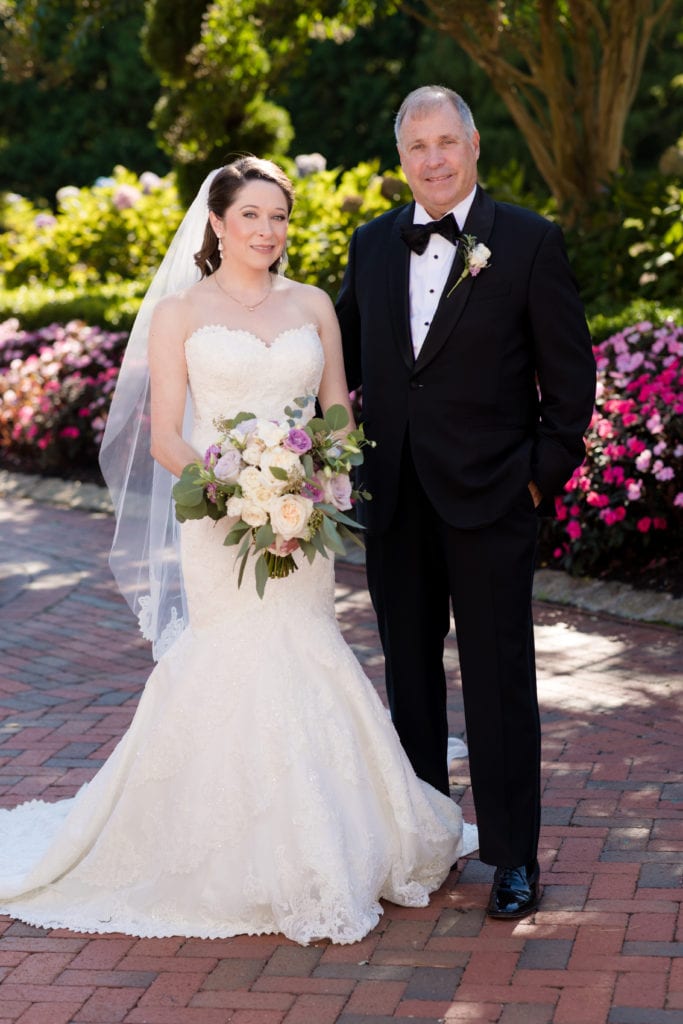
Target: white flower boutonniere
[{"x": 476, "y": 259}]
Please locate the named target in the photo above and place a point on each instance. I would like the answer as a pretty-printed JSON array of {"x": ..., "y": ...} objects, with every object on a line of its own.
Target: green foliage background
[{"x": 69, "y": 125}]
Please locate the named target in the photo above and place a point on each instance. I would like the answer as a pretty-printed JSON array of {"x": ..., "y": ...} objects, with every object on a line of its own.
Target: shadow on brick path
[{"x": 605, "y": 948}]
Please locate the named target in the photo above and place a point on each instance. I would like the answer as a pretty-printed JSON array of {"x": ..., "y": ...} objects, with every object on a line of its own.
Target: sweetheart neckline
[{"x": 251, "y": 334}]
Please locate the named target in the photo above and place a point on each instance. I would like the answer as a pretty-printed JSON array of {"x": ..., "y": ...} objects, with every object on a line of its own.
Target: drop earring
[{"x": 220, "y": 246}]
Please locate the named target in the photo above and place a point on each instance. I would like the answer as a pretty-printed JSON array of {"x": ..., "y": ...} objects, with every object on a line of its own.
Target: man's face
[{"x": 438, "y": 159}]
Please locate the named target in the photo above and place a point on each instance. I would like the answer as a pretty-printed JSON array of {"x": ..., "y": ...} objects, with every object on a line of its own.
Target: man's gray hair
[{"x": 425, "y": 99}]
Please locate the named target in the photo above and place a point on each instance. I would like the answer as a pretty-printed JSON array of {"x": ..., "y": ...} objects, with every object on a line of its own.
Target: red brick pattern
[{"x": 606, "y": 947}]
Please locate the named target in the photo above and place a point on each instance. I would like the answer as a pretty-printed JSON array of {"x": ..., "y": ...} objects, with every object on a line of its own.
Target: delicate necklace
[{"x": 239, "y": 302}]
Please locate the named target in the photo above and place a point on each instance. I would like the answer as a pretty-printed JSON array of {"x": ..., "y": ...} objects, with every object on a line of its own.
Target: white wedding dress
[{"x": 261, "y": 786}]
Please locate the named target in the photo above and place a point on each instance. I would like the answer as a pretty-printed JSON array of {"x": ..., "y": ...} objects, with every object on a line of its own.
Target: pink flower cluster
[
  {"x": 55, "y": 388},
  {"x": 629, "y": 490}
]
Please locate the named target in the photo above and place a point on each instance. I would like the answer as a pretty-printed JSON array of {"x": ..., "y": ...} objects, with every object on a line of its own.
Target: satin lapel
[
  {"x": 398, "y": 259},
  {"x": 479, "y": 223}
]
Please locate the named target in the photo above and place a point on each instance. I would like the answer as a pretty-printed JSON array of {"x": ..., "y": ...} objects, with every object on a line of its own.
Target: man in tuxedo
[{"x": 462, "y": 323}]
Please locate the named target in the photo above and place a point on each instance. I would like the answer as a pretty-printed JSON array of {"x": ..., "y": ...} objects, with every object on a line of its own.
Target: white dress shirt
[{"x": 429, "y": 272}]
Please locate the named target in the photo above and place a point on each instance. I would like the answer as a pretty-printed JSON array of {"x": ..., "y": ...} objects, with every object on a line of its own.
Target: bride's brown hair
[{"x": 223, "y": 192}]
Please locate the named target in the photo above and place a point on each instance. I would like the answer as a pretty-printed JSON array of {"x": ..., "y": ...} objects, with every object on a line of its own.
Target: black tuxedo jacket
[{"x": 503, "y": 388}]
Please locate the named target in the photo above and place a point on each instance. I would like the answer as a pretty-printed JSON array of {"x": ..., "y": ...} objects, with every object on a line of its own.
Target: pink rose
[{"x": 283, "y": 547}]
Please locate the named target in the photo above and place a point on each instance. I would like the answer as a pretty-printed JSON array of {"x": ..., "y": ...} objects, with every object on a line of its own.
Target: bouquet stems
[{"x": 279, "y": 565}]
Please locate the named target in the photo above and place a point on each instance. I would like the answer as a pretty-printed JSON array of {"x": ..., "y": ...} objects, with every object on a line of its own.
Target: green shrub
[
  {"x": 117, "y": 230},
  {"x": 631, "y": 245},
  {"x": 109, "y": 305},
  {"x": 604, "y": 324},
  {"x": 329, "y": 206}
]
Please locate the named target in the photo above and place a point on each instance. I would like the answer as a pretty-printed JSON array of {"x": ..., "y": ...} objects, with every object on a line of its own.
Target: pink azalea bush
[
  {"x": 55, "y": 388},
  {"x": 625, "y": 503}
]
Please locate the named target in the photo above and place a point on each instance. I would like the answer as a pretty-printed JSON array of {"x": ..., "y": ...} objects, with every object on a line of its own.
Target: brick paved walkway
[{"x": 606, "y": 946}]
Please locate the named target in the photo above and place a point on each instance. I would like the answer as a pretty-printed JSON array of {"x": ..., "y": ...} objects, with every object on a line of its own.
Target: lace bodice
[{"x": 231, "y": 371}]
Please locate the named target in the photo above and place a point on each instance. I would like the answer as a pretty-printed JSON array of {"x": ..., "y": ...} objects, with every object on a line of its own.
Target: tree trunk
[{"x": 568, "y": 74}]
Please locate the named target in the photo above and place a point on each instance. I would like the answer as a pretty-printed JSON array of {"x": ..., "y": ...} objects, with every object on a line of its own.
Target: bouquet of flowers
[{"x": 288, "y": 485}]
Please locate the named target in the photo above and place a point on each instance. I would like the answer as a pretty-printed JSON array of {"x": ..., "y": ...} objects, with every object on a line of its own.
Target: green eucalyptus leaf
[
  {"x": 308, "y": 549},
  {"x": 236, "y": 533},
  {"x": 243, "y": 564},
  {"x": 331, "y": 536},
  {"x": 189, "y": 489},
  {"x": 319, "y": 544},
  {"x": 351, "y": 535},
  {"x": 264, "y": 537},
  {"x": 185, "y": 512},
  {"x": 336, "y": 417},
  {"x": 261, "y": 572}
]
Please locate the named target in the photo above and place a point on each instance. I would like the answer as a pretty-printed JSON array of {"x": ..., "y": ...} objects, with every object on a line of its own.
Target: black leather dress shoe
[{"x": 515, "y": 893}]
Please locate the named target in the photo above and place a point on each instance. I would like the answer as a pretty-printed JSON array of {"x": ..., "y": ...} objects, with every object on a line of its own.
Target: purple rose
[
  {"x": 340, "y": 488},
  {"x": 298, "y": 441},
  {"x": 334, "y": 490},
  {"x": 227, "y": 469}
]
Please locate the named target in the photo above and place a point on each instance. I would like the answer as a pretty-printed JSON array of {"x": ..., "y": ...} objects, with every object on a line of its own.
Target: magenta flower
[
  {"x": 610, "y": 516},
  {"x": 211, "y": 455},
  {"x": 310, "y": 490},
  {"x": 597, "y": 500}
]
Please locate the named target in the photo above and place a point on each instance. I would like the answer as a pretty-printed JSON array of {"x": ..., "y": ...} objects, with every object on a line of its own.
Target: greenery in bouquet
[
  {"x": 286, "y": 483},
  {"x": 624, "y": 505}
]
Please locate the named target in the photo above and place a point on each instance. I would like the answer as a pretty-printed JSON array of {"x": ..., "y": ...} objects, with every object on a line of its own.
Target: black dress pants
[{"x": 417, "y": 570}]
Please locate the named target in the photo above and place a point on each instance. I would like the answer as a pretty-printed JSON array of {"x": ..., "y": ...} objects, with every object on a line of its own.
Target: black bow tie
[{"x": 417, "y": 235}]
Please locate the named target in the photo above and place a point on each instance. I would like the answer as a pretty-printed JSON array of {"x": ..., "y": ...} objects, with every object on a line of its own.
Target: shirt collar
[{"x": 460, "y": 212}]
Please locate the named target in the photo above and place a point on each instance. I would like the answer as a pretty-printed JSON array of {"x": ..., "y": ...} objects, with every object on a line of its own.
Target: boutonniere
[{"x": 476, "y": 259}]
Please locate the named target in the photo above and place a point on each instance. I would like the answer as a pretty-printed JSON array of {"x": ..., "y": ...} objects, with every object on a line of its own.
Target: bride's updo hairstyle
[{"x": 225, "y": 187}]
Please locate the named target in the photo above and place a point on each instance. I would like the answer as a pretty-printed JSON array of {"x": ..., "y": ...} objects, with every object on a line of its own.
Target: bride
[{"x": 261, "y": 786}]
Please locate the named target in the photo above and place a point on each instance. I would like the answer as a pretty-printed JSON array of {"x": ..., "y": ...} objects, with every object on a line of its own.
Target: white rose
[
  {"x": 289, "y": 515},
  {"x": 241, "y": 434},
  {"x": 256, "y": 486},
  {"x": 271, "y": 433},
  {"x": 281, "y": 458},
  {"x": 253, "y": 513},
  {"x": 253, "y": 451},
  {"x": 479, "y": 257},
  {"x": 234, "y": 506}
]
